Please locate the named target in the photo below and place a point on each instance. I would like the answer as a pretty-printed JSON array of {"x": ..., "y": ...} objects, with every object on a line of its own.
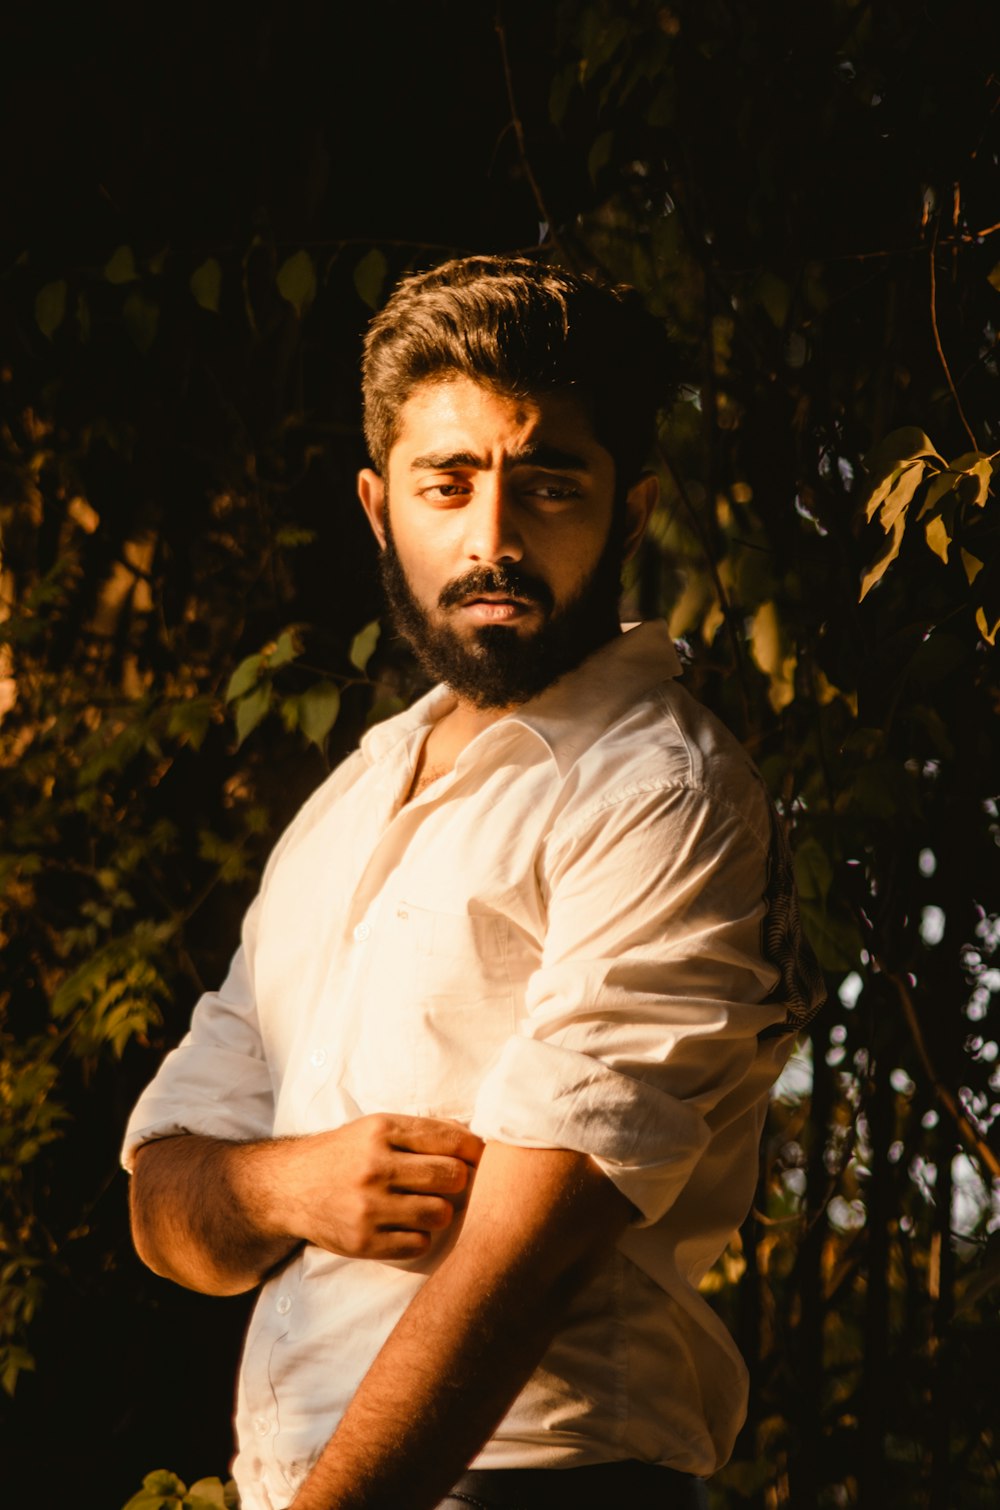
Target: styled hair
[{"x": 524, "y": 329}]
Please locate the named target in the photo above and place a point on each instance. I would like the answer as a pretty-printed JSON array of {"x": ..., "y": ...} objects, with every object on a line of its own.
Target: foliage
[
  {"x": 165, "y": 1491},
  {"x": 807, "y": 197}
]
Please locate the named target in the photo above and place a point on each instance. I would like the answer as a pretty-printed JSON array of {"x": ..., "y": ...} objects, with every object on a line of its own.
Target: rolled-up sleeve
[
  {"x": 643, "y": 1016},
  {"x": 216, "y": 1081}
]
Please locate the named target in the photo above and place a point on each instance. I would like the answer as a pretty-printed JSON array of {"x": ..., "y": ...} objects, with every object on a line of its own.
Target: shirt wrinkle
[{"x": 523, "y": 953}]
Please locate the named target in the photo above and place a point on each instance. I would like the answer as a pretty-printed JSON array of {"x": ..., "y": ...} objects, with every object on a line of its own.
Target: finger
[
  {"x": 418, "y": 1213},
  {"x": 433, "y": 1136},
  {"x": 398, "y": 1244},
  {"x": 437, "y": 1176}
]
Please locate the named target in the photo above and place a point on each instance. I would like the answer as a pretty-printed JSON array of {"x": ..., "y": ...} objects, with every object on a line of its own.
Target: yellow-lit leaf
[
  {"x": 50, "y": 307},
  {"x": 765, "y": 638},
  {"x": 297, "y": 281},
  {"x": 938, "y": 537},
  {"x": 896, "y": 451},
  {"x": 901, "y": 494},
  {"x": 120, "y": 266},
  {"x": 875, "y": 573},
  {"x": 937, "y": 489},
  {"x": 973, "y": 565},
  {"x": 988, "y": 631},
  {"x": 982, "y": 472},
  {"x": 993, "y": 276},
  {"x": 206, "y": 284}
]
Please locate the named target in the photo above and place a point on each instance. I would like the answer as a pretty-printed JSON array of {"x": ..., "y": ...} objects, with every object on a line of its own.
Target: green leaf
[
  {"x": 813, "y": 871},
  {"x": 286, "y": 647},
  {"x": 206, "y": 284},
  {"x": 50, "y": 307},
  {"x": 318, "y": 709},
  {"x": 244, "y": 677},
  {"x": 206, "y": 1494},
  {"x": 188, "y": 721},
  {"x": 369, "y": 276},
  {"x": 142, "y": 319},
  {"x": 363, "y": 644},
  {"x": 775, "y": 297},
  {"x": 297, "y": 281},
  {"x": 251, "y": 709},
  {"x": 120, "y": 266},
  {"x": 835, "y": 937}
]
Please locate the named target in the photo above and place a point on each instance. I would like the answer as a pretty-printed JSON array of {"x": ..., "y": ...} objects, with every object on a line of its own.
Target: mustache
[{"x": 511, "y": 581}]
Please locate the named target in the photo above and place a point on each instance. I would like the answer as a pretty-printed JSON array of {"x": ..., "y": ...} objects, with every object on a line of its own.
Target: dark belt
[{"x": 627, "y": 1485}]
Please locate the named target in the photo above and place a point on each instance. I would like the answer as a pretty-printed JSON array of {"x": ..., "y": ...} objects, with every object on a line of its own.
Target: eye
[
  {"x": 444, "y": 492},
  {"x": 553, "y": 492}
]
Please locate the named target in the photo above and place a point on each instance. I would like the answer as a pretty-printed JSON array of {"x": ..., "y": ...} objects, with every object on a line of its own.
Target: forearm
[
  {"x": 473, "y": 1335},
  {"x": 202, "y": 1214},
  {"x": 217, "y": 1216}
]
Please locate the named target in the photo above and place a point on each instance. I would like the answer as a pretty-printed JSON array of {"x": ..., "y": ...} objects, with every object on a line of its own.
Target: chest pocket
[{"x": 439, "y": 1005}]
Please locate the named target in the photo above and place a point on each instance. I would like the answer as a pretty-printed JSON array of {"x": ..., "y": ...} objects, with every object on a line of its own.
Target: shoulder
[{"x": 666, "y": 755}]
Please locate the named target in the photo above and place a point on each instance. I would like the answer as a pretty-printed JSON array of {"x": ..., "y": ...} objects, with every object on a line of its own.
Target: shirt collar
[
  {"x": 567, "y": 716},
  {"x": 570, "y": 715}
]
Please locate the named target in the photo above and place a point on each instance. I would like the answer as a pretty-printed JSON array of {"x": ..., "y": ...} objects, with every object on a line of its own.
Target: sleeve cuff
[
  {"x": 211, "y": 1092},
  {"x": 539, "y": 1095}
]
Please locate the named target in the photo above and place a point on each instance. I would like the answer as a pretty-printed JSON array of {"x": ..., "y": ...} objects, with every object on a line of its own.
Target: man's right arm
[{"x": 217, "y": 1216}]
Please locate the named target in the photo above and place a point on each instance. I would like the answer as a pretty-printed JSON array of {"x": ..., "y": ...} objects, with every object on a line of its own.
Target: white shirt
[{"x": 579, "y": 938}]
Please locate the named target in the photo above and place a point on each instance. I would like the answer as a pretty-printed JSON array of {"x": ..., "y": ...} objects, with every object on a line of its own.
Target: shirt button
[
  {"x": 261, "y": 1426},
  {"x": 283, "y": 1305},
  {"x": 362, "y": 932},
  {"x": 317, "y": 1058}
]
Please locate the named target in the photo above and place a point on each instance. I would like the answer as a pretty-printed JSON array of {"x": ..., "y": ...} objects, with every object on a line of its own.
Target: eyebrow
[{"x": 551, "y": 458}]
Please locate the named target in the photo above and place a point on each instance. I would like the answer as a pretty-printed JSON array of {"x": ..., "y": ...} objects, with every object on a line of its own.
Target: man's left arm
[{"x": 539, "y": 1220}]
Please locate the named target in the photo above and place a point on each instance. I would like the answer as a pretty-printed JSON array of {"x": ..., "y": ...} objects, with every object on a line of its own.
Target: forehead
[{"x": 457, "y": 413}]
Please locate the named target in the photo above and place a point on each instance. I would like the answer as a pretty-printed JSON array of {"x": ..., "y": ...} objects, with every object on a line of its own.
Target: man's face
[{"x": 504, "y": 554}]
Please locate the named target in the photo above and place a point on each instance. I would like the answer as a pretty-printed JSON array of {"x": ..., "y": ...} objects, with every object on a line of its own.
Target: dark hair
[{"x": 524, "y": 329}]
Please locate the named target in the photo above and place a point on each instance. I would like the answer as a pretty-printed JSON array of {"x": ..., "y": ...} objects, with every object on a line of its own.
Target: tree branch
[
  {"x": 518, "y": 127},
  {"x": 940, "y": 348}
]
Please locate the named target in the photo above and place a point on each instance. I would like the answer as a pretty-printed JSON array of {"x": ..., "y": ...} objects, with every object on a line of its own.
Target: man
[{"x": 479, "y": 1101}]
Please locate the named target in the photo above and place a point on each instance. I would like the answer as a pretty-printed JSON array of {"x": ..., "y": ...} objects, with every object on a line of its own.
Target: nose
[{"x": 492, "y": 529}]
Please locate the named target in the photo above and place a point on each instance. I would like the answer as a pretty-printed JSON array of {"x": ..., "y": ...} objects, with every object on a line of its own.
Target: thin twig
[
  {"x": 518, "y": 126},
  {"x": 706, "y": 546},
  {"x": 948, "y": 1100},
  {"x": 940, "y": 348}
]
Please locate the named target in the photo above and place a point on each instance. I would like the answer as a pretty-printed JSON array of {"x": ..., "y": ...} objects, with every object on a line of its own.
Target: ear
[
  {"x": 640, "y": 501},
  {"x": 371, "y": 491}
]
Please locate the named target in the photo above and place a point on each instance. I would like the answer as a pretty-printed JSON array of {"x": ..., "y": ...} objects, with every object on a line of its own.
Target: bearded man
[{"x": 479, "y": 1102}]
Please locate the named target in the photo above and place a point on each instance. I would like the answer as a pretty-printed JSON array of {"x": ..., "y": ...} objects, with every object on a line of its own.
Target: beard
[{"x": 496, "y": 666}]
